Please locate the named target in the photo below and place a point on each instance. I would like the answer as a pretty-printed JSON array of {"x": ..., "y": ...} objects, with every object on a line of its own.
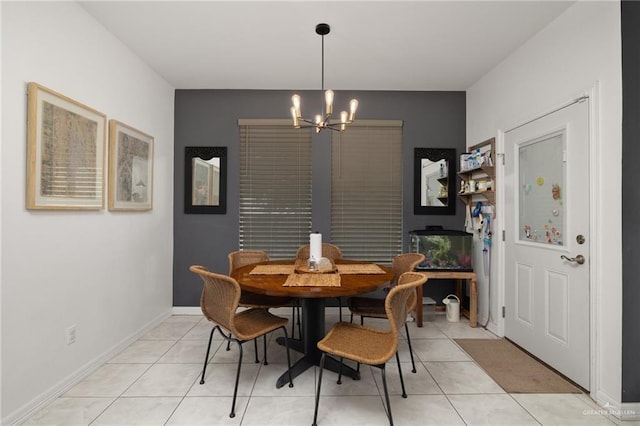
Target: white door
[{"x": 547, "y": 239}]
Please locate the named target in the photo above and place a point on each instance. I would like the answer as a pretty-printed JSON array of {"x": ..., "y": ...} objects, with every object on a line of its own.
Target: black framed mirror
[
  {"x": 205, "y": 179},
  {"x": 434, "y": 181}
]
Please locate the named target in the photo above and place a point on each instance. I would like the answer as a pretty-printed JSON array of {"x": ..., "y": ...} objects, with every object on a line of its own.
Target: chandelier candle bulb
[
  {"x": 353, "y": 105},
  {"x": 296, "y": 122},
  {"x": 328, "y": 99}
]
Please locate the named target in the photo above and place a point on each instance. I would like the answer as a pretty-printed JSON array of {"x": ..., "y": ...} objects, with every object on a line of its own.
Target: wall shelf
[{"x": 481, "y": 177}]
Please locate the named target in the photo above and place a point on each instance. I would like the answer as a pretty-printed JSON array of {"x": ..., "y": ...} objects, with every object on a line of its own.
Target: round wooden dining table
[{"x": 313, "y": 306}]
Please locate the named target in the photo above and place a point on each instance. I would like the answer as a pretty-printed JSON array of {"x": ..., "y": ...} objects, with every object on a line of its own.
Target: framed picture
[
  {"x": 433, "y": 181},
  {"x": 130, "y": 168},
  {"x": 66, "y": 144},
  {"x": 205, "y": 180}
]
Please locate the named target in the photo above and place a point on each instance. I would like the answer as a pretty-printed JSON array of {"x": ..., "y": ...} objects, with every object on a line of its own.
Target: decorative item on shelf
[
  {"x": 472, "y": 185},
  {"x": 324, "y": 120}
]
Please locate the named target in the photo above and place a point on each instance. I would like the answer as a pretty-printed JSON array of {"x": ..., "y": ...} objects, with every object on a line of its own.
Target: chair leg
[
  {"x": 229, "y": 342},
  {"x": 340, "y": 371},
  {"x": 404, "y": 392},
  {"x": 315, "y": 413},
  {"x": 361, "y": 323},
  {"x": 286, "y": 345},
  {"x": 206, "y": 357},
  {"x": 340, "y": 308},
  {"x": 255, "y": 347},
  {"x": 299, "y": 321},
  {"x": 264, "y": 340},
  {"x": 413, "y": 363},
  {"x": 293, "y": 318},
  {"x": 235, "y": 389},
  {"x": 386, "y": 394}
]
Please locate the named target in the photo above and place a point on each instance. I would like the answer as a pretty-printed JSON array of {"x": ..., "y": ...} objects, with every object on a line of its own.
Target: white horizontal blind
[
  {"x": 366, "y": 191},
  {"x": 275, "y": 187}
]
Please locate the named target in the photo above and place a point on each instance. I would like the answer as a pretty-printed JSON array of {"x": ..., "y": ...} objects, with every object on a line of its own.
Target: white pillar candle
[{"x": 315, "y": 246}]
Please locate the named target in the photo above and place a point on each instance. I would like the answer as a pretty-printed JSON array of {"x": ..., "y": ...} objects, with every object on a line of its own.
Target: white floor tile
[
  {"x": 418, "y": 383},
  {"x": 207, "y": 411},
  {"x": 202, "y": 331},
  {"x": 561, "y": 409},
  {"x": 461, "y": 330},
  {"x": 265, "y": 385},
  {"x": 220, "y": 380},
  {"x": 165, "y": 380},
  {"x": 109, "y": 380},
  {"x": 491, "y": 410},
  {"x": 462, "y": 377},
  {"x": 169, "y": 330},
  {"x": 138, "y": 411},
  {"x": 143, "y": 351},
  {"x": 438, "y": 350},
  {"x": 424, "y": 410},
  {"x": 69, "y": 412},
  {"x": 365, "y": 386},
  {"x": 351, "y": 410},
  {"x": 427, "y": 331},
  {"x": 279, "y": 411},
  {"x": 187, "y": 352}
]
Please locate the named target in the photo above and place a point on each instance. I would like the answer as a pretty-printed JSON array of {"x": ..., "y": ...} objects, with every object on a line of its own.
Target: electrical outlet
[{"x": 70, "y": 332}]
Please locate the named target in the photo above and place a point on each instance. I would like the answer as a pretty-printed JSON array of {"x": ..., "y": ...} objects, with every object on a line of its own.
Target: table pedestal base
[{"x": 312, "y": 332}]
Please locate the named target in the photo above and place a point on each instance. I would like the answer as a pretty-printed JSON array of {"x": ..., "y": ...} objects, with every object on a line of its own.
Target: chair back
[
  {"x": 220, "y": 297},
  {"x": 407, "y": 262},
  {"x": 395, "y": 304},
  {"x": 240, "y": 258},
  {"x": 330, "y": 251}
]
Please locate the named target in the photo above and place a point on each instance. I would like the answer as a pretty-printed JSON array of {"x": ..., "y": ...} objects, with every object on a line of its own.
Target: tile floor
[{"x": 155, "y": 381}]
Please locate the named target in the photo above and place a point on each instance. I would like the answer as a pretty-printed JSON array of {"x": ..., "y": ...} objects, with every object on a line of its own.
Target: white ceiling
[{"x": 373, "y": 45}]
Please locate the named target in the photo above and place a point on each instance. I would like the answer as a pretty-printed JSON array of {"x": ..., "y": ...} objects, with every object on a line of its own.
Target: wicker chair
[
  {"x": 219, "y": 302},
  {"x": 248, "y": 299},
  {"x": 374, "y": 308},
  {"x": 369, "y": 345},
  {"x": 329, "y": 251}
]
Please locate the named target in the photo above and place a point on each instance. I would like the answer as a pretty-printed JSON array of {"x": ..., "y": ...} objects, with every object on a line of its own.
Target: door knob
[{"x": 579, "y": 259}]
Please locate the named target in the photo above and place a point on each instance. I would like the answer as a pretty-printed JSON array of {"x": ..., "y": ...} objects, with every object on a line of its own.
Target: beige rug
[{"x": 513, "y": 369}]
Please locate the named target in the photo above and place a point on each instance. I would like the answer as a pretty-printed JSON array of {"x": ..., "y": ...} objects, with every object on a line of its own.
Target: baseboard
[
  {"x": 626, "y": 411},
  {"x": 187, "y": 310},
  {"x": 49, "y": 395},
  {"x": 286, "y": 310}
]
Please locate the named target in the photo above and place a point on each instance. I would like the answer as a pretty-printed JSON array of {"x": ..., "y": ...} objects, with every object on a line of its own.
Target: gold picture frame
[
  {"x": 66, "y": 146},
  {"x": 130, "y": 168}
]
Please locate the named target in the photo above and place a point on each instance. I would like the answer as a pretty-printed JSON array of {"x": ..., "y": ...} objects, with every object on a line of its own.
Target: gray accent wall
[
  {"x": 630, "y": 201},
  {"x": 209, "y": 118}
]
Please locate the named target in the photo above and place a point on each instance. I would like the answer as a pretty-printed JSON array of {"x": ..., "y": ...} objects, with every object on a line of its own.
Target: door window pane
[{"x": 541, "y": 189}]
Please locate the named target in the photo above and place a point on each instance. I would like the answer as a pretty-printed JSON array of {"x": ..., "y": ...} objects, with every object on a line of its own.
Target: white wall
[
  {"x": 108, "y": 273},
  {"x": 579, "y": 50}
]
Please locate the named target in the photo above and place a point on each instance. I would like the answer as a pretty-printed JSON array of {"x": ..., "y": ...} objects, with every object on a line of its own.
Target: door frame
[{"x": 596, "y": 227}]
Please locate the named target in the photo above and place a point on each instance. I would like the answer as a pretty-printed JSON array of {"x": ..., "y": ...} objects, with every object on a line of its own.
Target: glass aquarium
[{"x": 444, "y": 249}]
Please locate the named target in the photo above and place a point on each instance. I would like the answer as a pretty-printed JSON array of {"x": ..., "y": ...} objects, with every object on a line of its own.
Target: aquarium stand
[{"x": 472, "y": 313}]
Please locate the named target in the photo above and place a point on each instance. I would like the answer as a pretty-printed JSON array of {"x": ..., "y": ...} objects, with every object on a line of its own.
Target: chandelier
[{"x": 324, "y": 120}]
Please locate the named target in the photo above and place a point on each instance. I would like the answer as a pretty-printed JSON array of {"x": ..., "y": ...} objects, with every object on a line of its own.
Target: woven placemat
[
  {"x": 360, "y": 268},
  {"x": 272, "y": 270},
  {"x": 312, "y": 280}
]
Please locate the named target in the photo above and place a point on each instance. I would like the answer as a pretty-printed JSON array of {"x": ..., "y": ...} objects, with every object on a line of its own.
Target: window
[
  {"x": 366, "y": 190},
  {"x": 275, "y": 187}
]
